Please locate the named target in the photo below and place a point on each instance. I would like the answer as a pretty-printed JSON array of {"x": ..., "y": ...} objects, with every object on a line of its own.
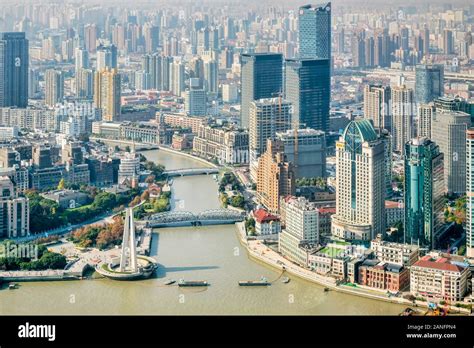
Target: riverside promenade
[{"x": 257, "y": 250}]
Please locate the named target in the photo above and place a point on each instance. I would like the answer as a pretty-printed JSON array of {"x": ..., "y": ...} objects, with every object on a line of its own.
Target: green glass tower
[{"x": 424, "y": 189}]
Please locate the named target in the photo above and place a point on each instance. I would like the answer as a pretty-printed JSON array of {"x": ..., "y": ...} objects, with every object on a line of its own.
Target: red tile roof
[
  {"x": 442, "y": 264},
  {"x": 261, "y": 215}
]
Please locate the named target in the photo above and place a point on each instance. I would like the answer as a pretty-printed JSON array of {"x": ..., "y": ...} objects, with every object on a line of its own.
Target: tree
[
  {"x": 61, "y": 184},
  {"x": 238, "y": 201},
  {"x": 135, "y": 201}
]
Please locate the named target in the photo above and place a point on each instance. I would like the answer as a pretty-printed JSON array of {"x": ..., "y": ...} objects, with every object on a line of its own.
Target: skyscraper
[
  {"x": 82, "y": 59},
  {"x": 90, "y": 37},
  {"x": 54, "y": 90},
  {"x": 267, "y": 117},
  {"x": 261, "y": 77},
  {"x": 470, "y": 192},
  {"x": 360, "y": 183},
  {"x": 307, "y": 84},
  {"x": 211, "y": 76},
  {"x": 107, "y": 93},
  {"x": 13, "y": 70},
  {"x": 448, "y": 131},
  {"x": 275, "y": 176},
  {"x": 151, "y": 34},
  {"x": 315, "y": 31},
  {"x": 425, "y": 115},
  {"x": 402, "y": 116},
  {"x": 424, "y": 192},
  {"x": 429, "y": 83},
  {"x": 195, "y": 99},
  {"x": 177, "y": 78},
  {"x": 106, "y": 57},
  {"x": 448, "y": 42},
  {"x": 377, "y": 106}
]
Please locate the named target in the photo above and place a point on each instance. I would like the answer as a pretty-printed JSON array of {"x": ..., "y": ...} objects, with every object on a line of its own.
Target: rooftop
[{"x": 439, "y": 263}]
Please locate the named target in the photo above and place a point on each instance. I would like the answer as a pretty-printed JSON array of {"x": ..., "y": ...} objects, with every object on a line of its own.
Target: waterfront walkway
[{"x": 261, "y": 252}]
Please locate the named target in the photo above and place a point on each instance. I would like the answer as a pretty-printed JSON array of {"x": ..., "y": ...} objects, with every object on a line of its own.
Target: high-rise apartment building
[
  {"x": 195, "y": 99},
  {"x": 54, "y": 87},
  {"x": 267, "y": 117},
  {"x": 360, "y": 183},
  {"x": 177, "y": 77},
  {"x": 106, "y": 57},
  {"x": 377, "y": 106},
  {"x": 307, "y": 87},
  {"x": 107, "y": 93},
  {"x": 403, "y": 109},
  {"x": 261, "y": 77},
  {"x": 425, "y": 115},
  {"x": 424, "y": 193},
  {"x": 14, "y": 62},
  {"x": 470, "y": 192}
]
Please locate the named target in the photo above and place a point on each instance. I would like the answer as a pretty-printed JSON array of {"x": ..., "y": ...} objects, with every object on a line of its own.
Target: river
[{"x": 211, "y": 253}]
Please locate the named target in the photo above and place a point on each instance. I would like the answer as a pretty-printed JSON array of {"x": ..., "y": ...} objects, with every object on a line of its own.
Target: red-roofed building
[
  {"x": 265, "y": 223},
  {"x": 438, "y": 278}
]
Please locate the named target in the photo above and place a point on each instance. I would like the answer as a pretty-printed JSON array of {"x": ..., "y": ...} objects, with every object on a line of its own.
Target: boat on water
[
  {"x": 183, "y": 282},
  {"x": 262, "y": 282},
  {"x": 326, "y": 289},
  {"x": 170, "y": 281},
  {"x": 285, "y": 280},
  {"x": 13, "y": 286}
]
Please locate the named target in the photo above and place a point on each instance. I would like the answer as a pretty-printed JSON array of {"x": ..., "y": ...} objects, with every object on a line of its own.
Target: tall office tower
[
  {"x": 377, "y": 106},
  {"x": 196, "y": 69},
  {"x": 33, "y": 83},
  {"x": 195, "y": 99},
  {"x": 261, "y": 77},
  {"x": 275, "y": 176},
  {"x": 341, "y": 41},
  {"x": 106, "y": 57},
  {"x": 82, "y": 59},
  {"x": 309, "y": 155},
  {"x": 424, "y": 192},
  {"x": 360, "y": 183},
  {"x": 404, "y": 39},
  {"x": 369, "y": 52},
  {"x": 419, "y": 46},
  {"x": 429, "y": 82},
  {"x": 177, "y": 78},
  {"x": 448, "y": 131},
  {"x": 267, "y": 117},
  {"x": 202, "y": 43},
  {"x": 448, "y": 42},
  {"x": 84, "y": 83},
  {"x": 54, "y": 87},
  {"x": 358, "y": 48},
  {"x": 382, "y": 51},
  {"x": 13, "y": 70},
  {"x": 211, "y": 76},
  {"x": 402, "y": 116},
  {"x": 470, "y": 192},
  {"x": 14, "y": 211},
  {"x": 151, "y": 34},
  {"x": 107, "y": 93},
  {"x": 315, "y": 31},
  {"x": 307, "y": 87},
  {"x": 166, "y": 63},
  {"x": 90, "y": 38},
  {"x": 425, "y": 115},
  {"x": 425, "y": 33}
]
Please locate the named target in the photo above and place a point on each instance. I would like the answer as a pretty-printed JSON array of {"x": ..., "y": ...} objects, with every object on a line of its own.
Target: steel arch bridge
[{"x": 214, "y": 215}]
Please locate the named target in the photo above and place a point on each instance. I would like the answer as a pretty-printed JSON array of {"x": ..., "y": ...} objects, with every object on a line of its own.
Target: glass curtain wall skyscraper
[
  {"x": 306, "y": 87},
  {"x": 315, "y": 31},
  {"x": 424, "y": 192},
  {"x": 429, "y": 83},
  {"x": 14, "y": 62},
  {"x": 261, "y": 77}
]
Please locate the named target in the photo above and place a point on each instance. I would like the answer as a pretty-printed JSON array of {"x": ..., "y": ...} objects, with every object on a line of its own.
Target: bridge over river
[
  {"x": 190, "y": 171},
  {"x": 186, "y": 218}
]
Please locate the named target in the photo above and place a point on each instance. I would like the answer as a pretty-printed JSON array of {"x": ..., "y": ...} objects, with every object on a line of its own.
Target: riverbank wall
[{"x": 327, "y": 282}]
